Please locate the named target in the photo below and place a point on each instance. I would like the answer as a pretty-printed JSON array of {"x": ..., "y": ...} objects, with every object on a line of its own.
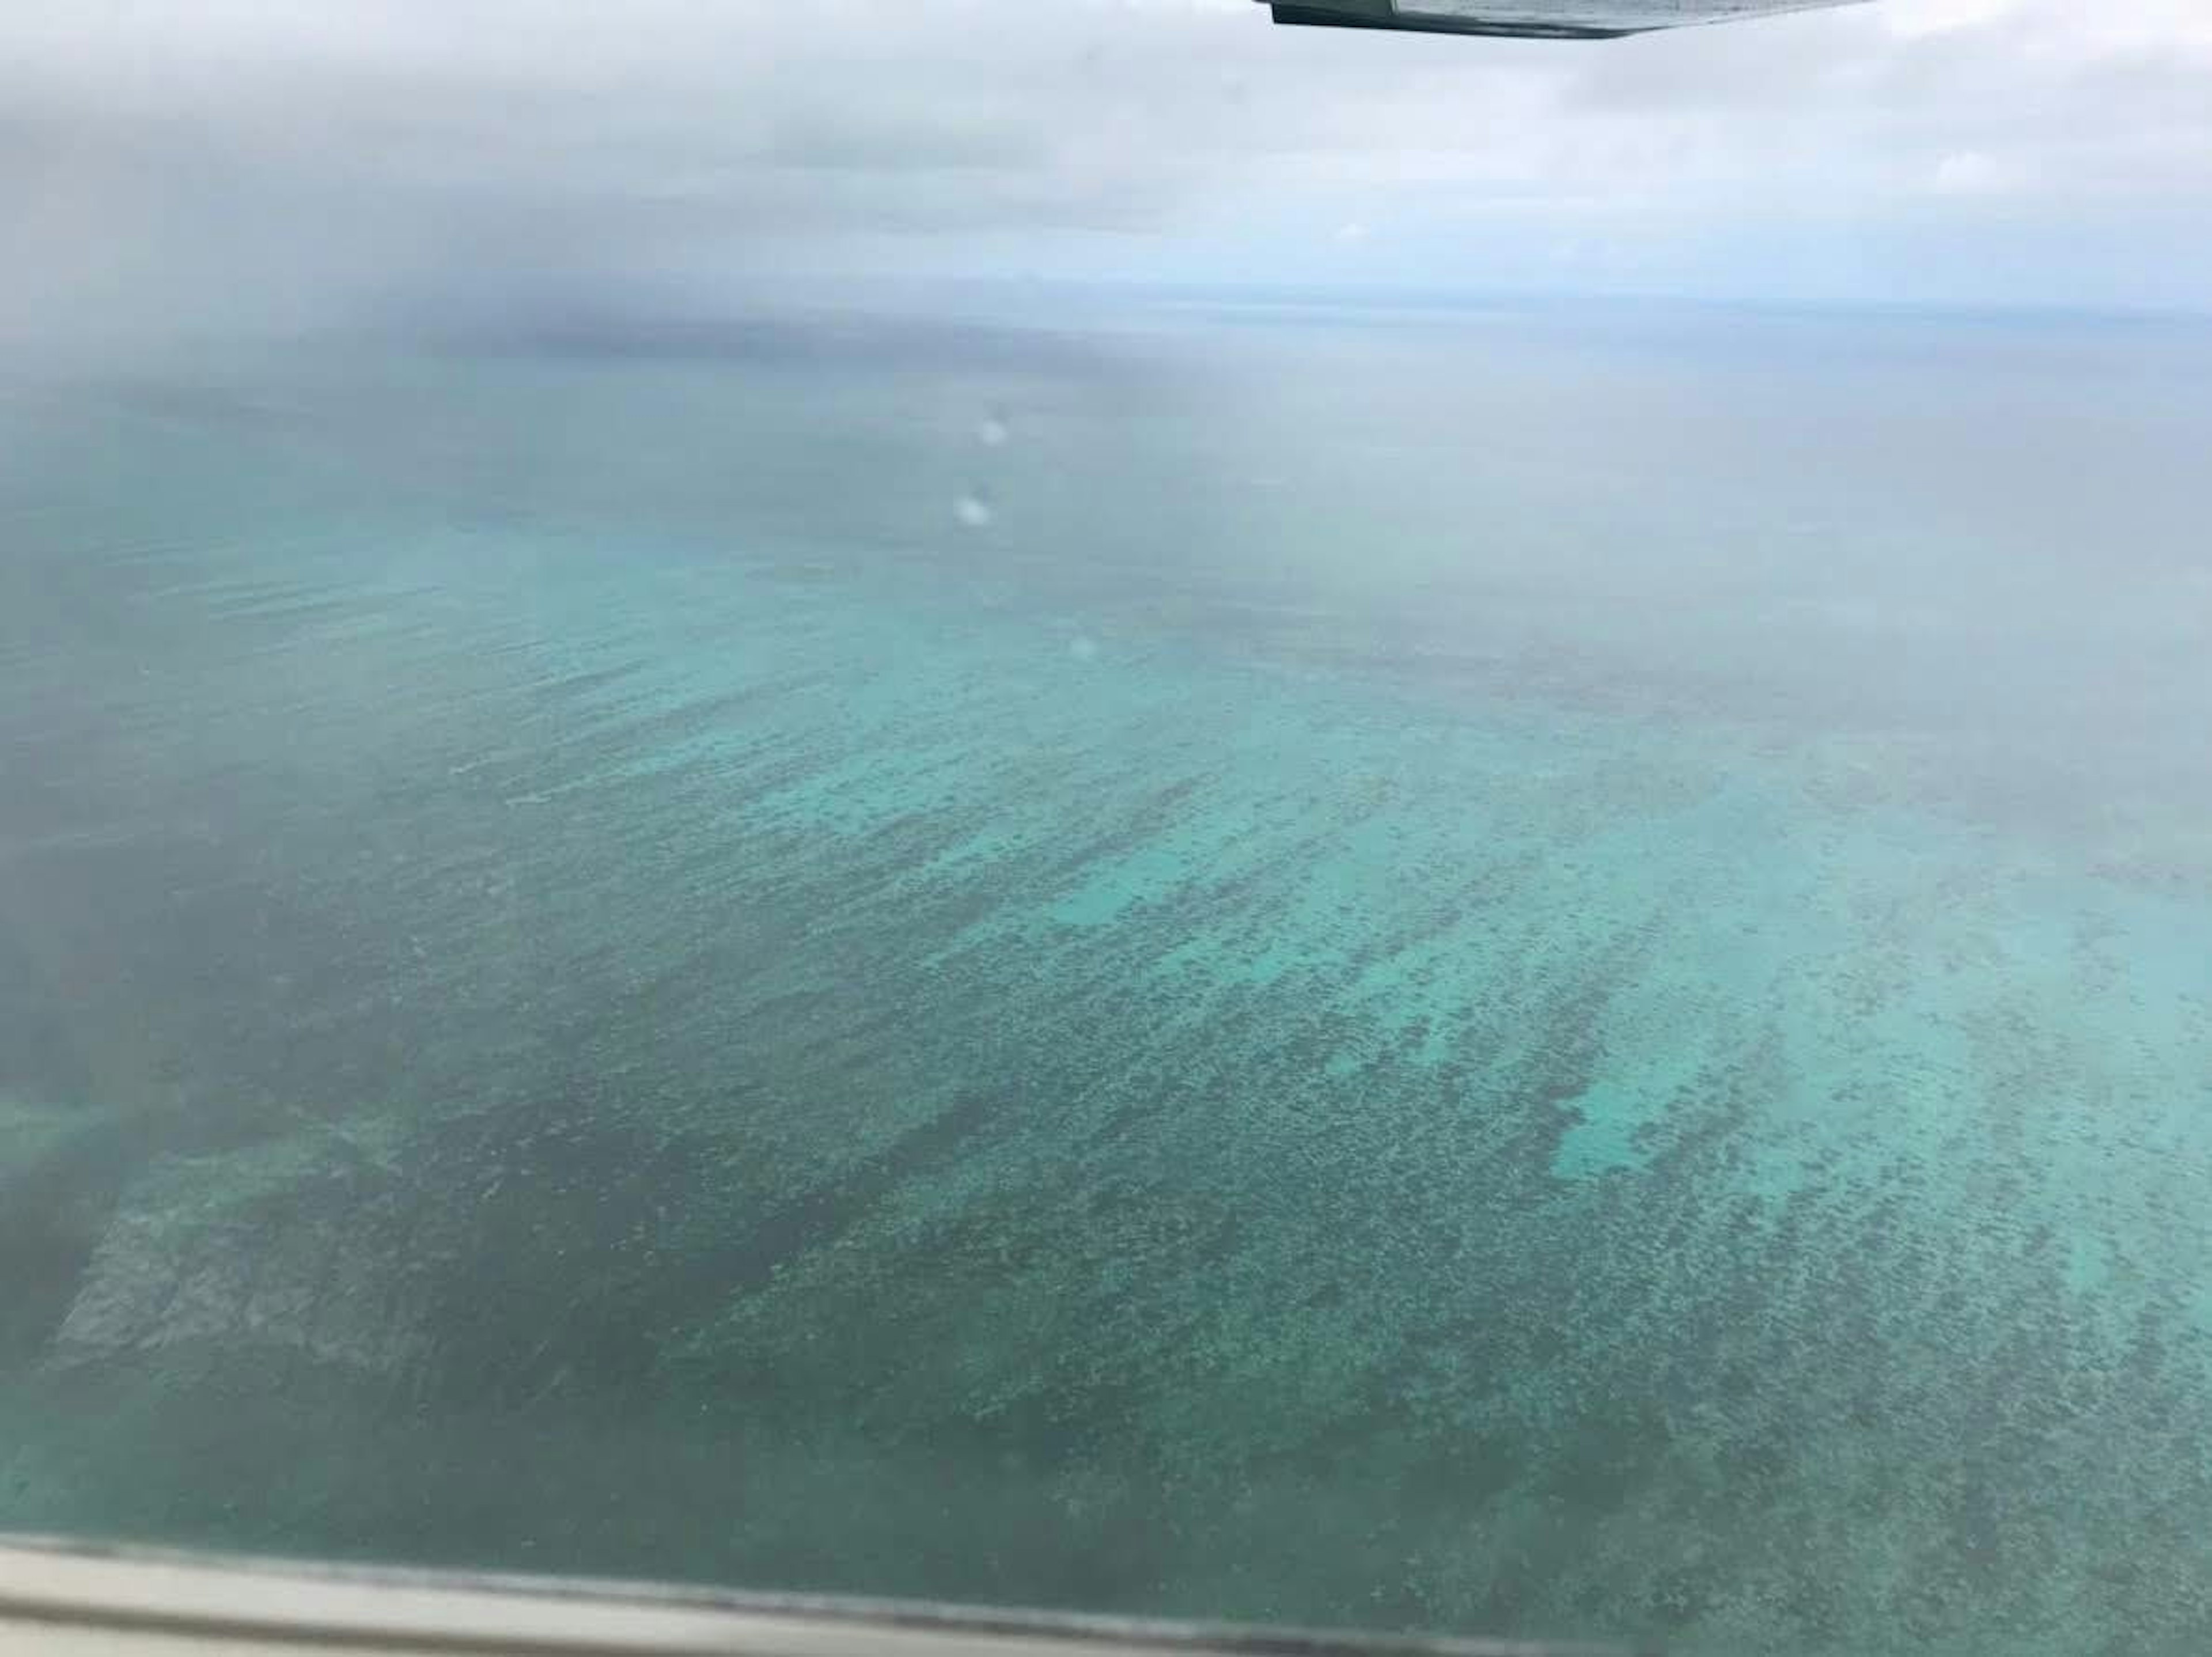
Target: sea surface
[{"x": 1526, "y": 970}]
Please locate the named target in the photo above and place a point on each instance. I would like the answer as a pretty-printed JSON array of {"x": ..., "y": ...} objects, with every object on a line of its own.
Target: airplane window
[{"x": 1370, "y": 815}]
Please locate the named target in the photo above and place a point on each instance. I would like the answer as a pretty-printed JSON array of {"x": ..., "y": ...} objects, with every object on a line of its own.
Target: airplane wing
[{"x": 1541, "y": 19}]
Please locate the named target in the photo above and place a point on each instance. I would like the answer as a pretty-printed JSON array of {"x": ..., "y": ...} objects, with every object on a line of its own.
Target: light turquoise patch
[{"x": 1603, "y": 1141}]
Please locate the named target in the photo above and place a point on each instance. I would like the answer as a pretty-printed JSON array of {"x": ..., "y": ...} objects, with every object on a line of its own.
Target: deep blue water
[{"x": 1534, "y": 972}]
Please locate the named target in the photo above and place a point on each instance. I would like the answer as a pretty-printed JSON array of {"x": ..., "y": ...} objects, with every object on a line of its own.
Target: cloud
[
  {"x": 253, "y": 160},
  {"x": 1969, "y": 172}
]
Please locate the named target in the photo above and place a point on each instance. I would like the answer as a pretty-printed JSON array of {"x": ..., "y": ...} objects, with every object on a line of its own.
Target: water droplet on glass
[{"x": 972, "y": 510}]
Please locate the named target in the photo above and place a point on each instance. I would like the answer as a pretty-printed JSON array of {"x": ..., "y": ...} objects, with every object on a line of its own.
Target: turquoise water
[{"x": 1541, "y": 973}]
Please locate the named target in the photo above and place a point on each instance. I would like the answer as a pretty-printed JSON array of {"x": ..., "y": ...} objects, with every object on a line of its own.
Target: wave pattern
[{"x": 542, "y": 1043}]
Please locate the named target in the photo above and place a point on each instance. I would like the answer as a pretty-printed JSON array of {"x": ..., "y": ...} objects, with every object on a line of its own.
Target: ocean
[{"x": 1536, "y": 969}]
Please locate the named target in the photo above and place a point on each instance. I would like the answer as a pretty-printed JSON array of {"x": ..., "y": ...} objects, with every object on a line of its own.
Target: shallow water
[{"x": 1541, "y": 973}]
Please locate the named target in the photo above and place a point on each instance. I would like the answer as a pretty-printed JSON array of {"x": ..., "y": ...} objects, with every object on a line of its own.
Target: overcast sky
[{"x": 281, "y": 160}]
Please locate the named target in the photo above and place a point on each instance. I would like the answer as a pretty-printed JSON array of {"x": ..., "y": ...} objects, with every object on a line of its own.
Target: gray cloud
[{"x": 233, "y": 161}]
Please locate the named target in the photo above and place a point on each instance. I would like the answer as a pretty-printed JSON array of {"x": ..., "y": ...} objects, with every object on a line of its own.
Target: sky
[{"x": 280, "y": 163}]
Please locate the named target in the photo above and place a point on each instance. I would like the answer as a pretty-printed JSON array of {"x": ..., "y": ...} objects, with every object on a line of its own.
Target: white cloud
[
  {"x": 1968, "y": 173},
  {"x": 1915, "y": 18},
  {"x": 332, "y": 140}
]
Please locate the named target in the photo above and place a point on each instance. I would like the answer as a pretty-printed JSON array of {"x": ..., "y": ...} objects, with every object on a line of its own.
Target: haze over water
[{"x": 1540, "y": 971}]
